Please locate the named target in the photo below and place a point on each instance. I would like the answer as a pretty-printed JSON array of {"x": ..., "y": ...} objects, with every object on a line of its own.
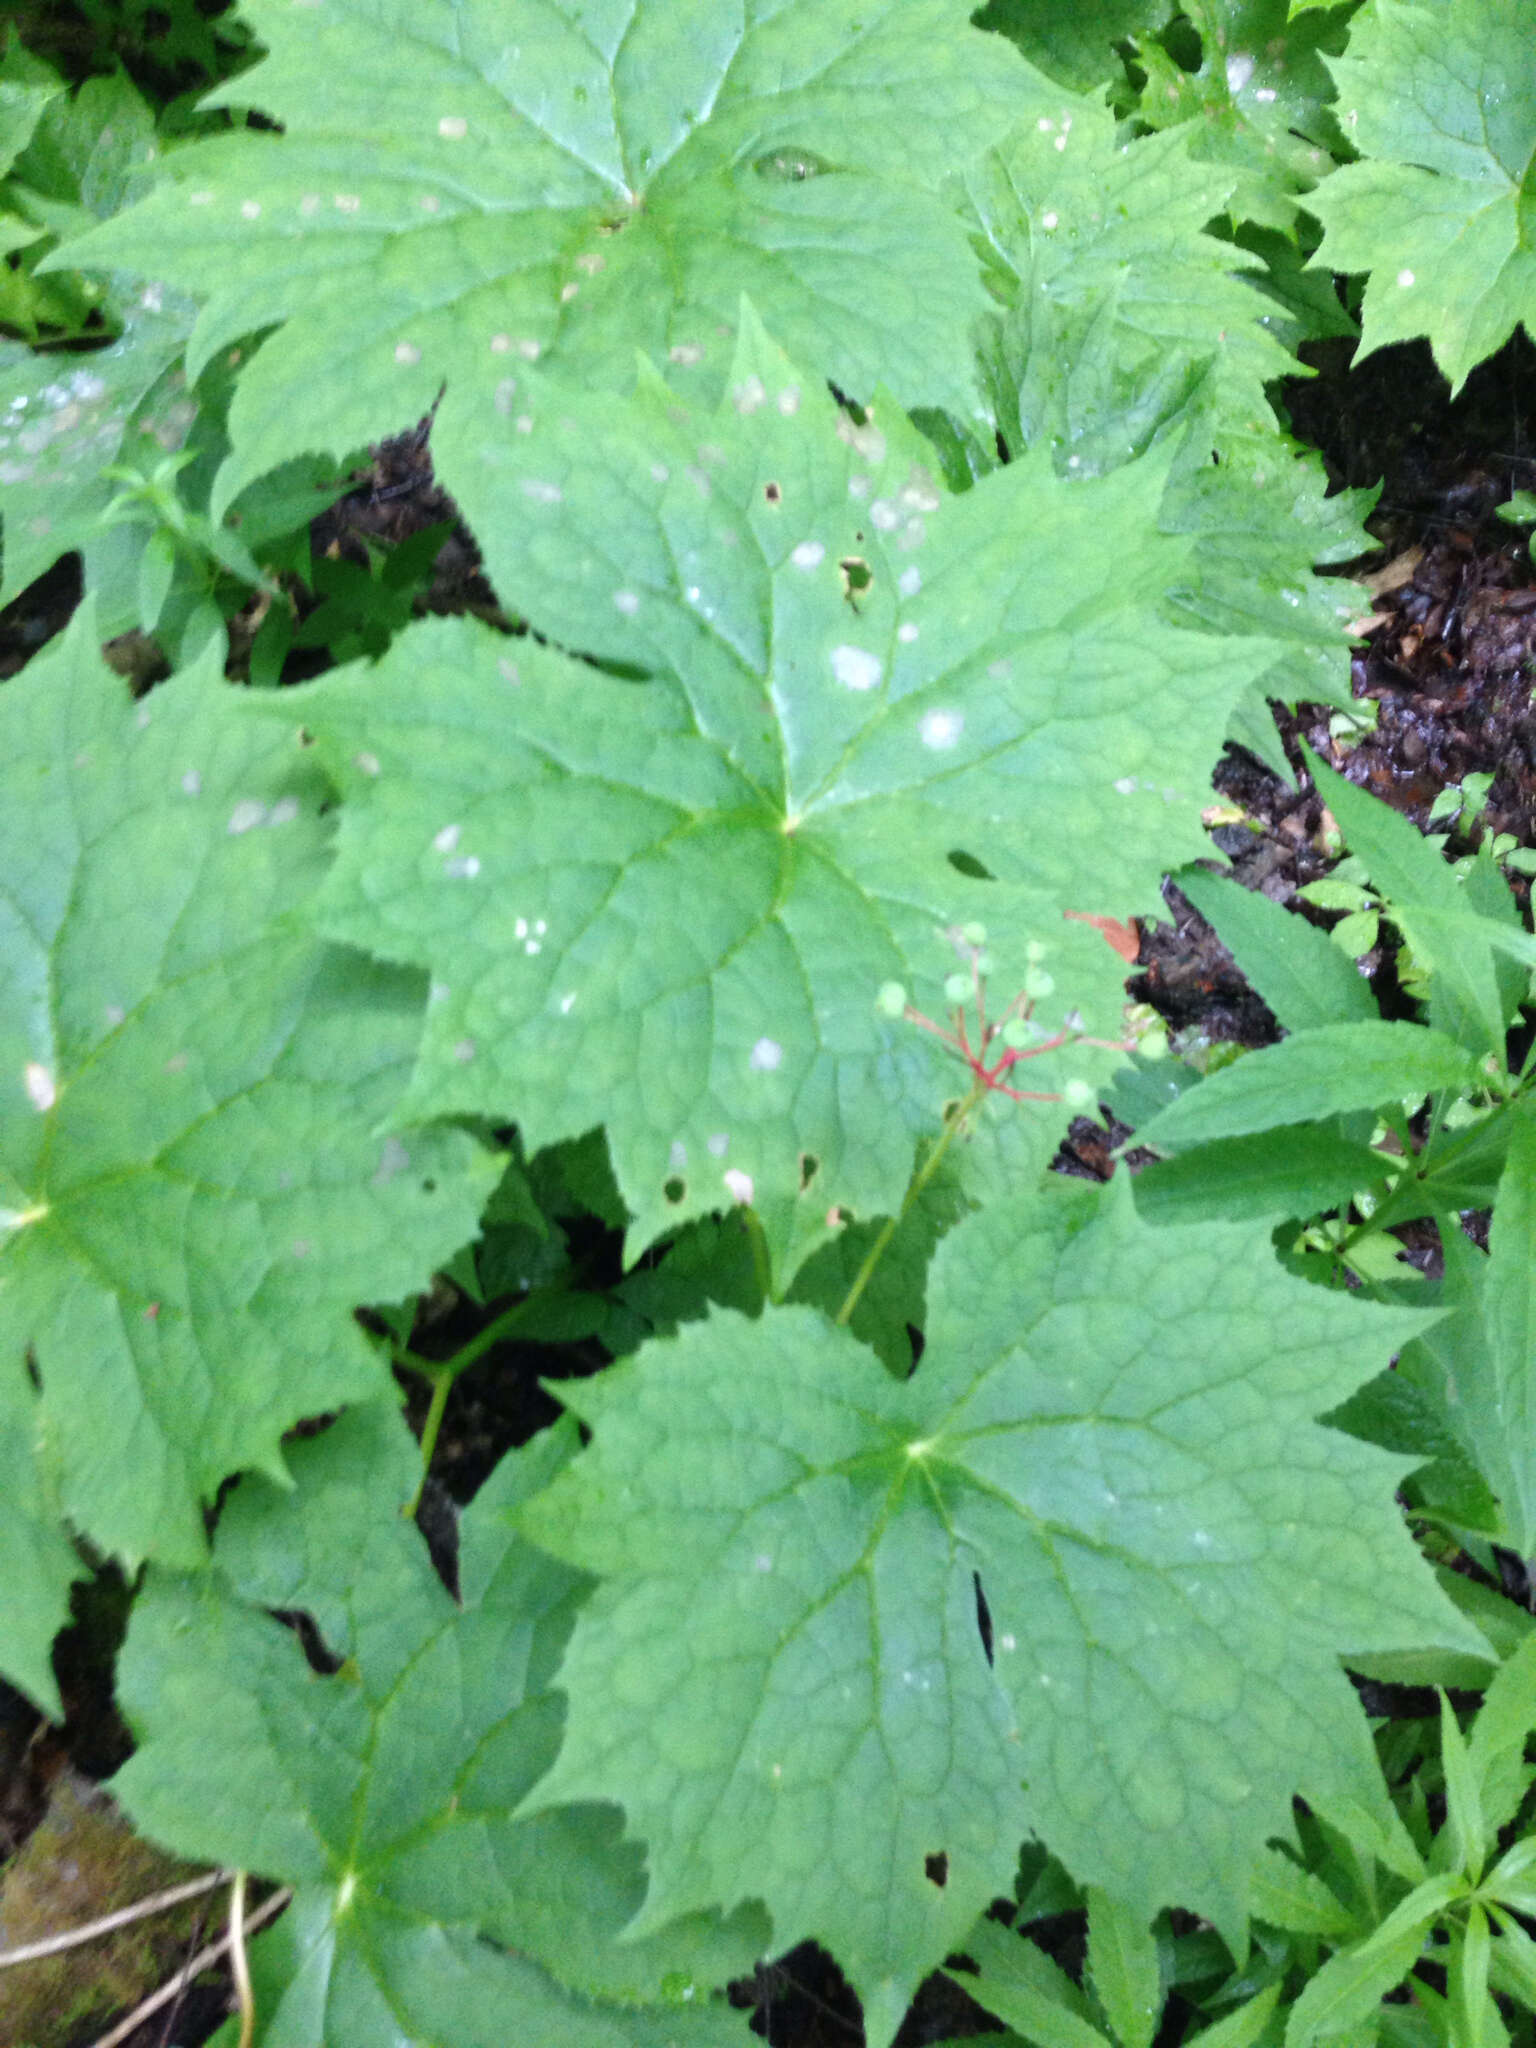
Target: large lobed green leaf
[
  {"x": 198, "y": 1176},
  {"x": 1441, "y": 103},
  {"x": 383, "y": 1794},
  {"x": 781, "y": 1675},
  {"x": 461, "y": 187},
  {"x": 671, "y": 906}
]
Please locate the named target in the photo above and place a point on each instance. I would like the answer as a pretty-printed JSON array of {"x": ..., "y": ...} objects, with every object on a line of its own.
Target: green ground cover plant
[{"x": 864, "y": 415}]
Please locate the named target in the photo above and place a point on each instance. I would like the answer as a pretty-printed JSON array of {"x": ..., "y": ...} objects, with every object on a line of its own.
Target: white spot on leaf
[
  {"x": 809, "y": 555},
  {"x": 765, "y": 1056},
  {"x": 626, "y": 602},
  {"x": 38, "y": 1082},
  {"x": 446, "y": 840},
  {"x": 392, "y": 1160},
  {"x": 855, "y": 667},
  {"x": 246, "y": 813},
  {"x": 453, "y": 127},
  {"x": 407, "y": 352},
  {"x": 941, "y": 730},
  {"x": 191, "y": 783},
  {"x": 739, "y": 1185},
  {"x": 1239, "y": 70}
]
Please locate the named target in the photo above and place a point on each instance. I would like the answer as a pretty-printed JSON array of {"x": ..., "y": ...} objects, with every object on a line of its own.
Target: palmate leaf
[
  {"x": 671, "y": 906},
  {"x": 196, "y": 1184},
  {"x": 1441, "y": 103},
  {"x": 384, "y": 1794},
  {"x": 463, "y": 185},
  {"x": 1121, "y": 322},
  {"x": 781, "y": 1675}
]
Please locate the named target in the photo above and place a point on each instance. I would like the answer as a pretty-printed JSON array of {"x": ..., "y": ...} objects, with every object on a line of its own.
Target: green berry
[
  {"x": 974, "y": 934},
  {"x": 1078, "y": 1095},
  {"x": 892, "y": 999},
  {"x": 957, "y": 988},
  {"x": 1038, "y": 983}
]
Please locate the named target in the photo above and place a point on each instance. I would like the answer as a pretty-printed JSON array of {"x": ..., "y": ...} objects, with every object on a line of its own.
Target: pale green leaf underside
[
  {"x": 1441, "y": 102},
  {"x": 1171, "y": 1552},
  {"x": 462, "y": 184},
  {"x": 671, "y": 906},
  {"x": 384, "y": 1794},
  {"x": 191, "y": 1099}
]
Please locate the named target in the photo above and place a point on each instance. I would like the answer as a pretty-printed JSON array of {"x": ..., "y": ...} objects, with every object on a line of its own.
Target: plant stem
[
  {"x": 443, "y": 1373},
  {"x": 442, "y": 1387},
  {"x": 919, "y": 1181}
]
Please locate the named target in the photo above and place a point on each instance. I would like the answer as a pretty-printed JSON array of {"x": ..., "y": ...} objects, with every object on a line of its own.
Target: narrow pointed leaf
[
  {"x": 1123, "y": 1969},
  {"x": 1018, "y": 1982},
  {"x": 1505, "y": 1404},
  {"x": 1305, "y": 979},
  {"x": 1320, "y": 1073}
]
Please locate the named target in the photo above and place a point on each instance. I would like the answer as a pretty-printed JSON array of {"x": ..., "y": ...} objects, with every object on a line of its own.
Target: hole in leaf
[
  {"x": 674, "y": 1189},
  {"x": 968, "y": 864},
  {"x": 983, "y": 1617},
  {"x": 318, "y": 1654},
  {"x": 773, "y": 494},
  {"x": 936, "y": 1869},
  {"x": 857, "y": 576},
  {"x": 429, "y": 1187},
  {"x": 810, "y": 1166}
]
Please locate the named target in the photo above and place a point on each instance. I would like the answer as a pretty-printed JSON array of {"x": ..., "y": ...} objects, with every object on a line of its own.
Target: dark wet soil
[{"x": 1447, "y": 617}]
